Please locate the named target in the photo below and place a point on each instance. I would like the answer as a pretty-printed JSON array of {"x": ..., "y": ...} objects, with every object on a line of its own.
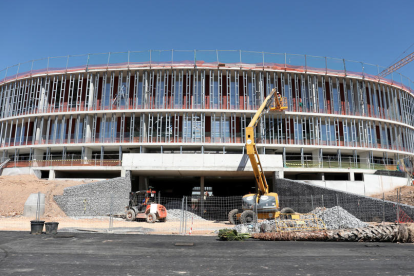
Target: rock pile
[
  {"x": 97, "y": 198},
  {"x": 176, "y": 214},
  {"x": 338, "y": 218}
]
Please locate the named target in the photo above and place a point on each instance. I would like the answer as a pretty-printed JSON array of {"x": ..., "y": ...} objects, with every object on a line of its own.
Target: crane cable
[{"x": 400, "y": 55}]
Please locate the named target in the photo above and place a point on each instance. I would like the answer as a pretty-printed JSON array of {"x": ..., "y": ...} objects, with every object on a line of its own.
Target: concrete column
[
  {"x": 351, "y": 176},
  {"x": 91, "y": 93},
  {"x": 87, "y": 154},
  {"x": 143, "y": 183},
  {"x": 339, "y": 158},
  {"x": 38, "y": 154},
  {"x": 88, "y": 129},
  {"x": 146, "y": 95},
  {"x": 364, "y": 159},
  {"x": 52, "y": 175},
  {"x": 302, "y": 158},
  {"x": 40, "y": 129},
  {"x": 42, "y": 101},
  {"x": 144, "y": 122},
  {"x": 315, "y": 157}
]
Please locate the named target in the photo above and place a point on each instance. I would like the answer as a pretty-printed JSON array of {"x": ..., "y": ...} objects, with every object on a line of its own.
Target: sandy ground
[
  {"x": 198, "y": 227},
  {"x": 14, "y": 191},
  {"x": 407, "y": 195}
]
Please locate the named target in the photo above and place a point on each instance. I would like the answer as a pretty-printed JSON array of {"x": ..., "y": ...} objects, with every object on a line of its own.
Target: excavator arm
[{"x": 272, "y": 102}]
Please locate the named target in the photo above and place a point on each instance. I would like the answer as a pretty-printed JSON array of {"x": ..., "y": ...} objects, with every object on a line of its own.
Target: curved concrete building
[{"x": 176, "y": 116}]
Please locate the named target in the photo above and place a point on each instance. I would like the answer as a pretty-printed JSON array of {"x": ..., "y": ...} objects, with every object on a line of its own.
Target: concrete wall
[
  {"x": 96, "y": 199},
  {"x": 372, "y": 184},
  {"x": 198, "y": 162},
  {"x": 16, "y": 171},
  {"x": 304, "y": 197},
  {"x": 30, "y": 206}
]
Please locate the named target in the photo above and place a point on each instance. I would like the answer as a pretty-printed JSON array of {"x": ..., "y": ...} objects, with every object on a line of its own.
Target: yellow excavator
[{"x": 263, "y": 203}]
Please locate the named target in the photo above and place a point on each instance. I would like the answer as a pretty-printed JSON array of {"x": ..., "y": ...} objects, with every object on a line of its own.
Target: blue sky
[{"x": 375, "y": 32}]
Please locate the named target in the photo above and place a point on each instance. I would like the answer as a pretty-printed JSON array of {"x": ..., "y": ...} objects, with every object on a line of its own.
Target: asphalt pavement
[{"x": 127, "y": 254}]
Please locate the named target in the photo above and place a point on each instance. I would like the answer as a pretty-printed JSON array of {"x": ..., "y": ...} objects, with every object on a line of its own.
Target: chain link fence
[{"x": 201, "y": 215}]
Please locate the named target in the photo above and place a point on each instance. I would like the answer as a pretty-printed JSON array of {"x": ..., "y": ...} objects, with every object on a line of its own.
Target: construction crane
[
  {"x": 402, "y": 62},
  {"x": 264, "y": 203}
]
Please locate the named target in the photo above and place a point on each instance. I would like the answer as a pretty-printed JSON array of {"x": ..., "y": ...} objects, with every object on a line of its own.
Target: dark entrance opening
[
  {"x": 189, "y": 186},
  {"x": 231, "y": 186},
  {"x": 173, "y": 186},
  {"x": 337, "y": 176},
  {"x": 359, "y": 176},
  {"x": 44, "y": 174}
]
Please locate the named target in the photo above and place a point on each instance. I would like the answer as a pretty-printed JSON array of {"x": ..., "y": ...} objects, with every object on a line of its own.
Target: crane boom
[
  {"x": 402, "y": 62},
  {"x": 273, "y": 103}
]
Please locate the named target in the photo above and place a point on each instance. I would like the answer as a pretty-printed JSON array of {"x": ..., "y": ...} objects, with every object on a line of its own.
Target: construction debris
[
  {"x": 338, "y": 218},
  {"x": 403, "y": 233},
  {"x": 305, "y": 223},
  {"x": 176, "y": 214},
  {"x": 319, "y": 219}
]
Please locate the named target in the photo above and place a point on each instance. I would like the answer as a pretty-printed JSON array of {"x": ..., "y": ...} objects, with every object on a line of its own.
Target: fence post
[
  {"x": 38, "y": 207},
  {"x": 181, "y": 218},
  {"x": 323, "y": 210},
  {"x": 398, "y": 205},
  {"x": 255, "y": 211},
  {"x": 339, "y": 213},
  {"x": 110, "y": 214},
  {"x": 185, "y": 215},
  {"x": 383, "y": 207}
]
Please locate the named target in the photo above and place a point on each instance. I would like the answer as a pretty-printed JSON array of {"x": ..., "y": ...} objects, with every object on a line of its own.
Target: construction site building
[{"x": 177, "y": 119}]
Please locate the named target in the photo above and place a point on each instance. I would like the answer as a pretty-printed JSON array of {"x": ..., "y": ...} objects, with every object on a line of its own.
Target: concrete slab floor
[{"x": 110, "y": 254}]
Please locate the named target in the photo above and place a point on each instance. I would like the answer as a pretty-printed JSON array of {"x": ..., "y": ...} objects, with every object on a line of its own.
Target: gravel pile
[
  {"x": 334, "y": 218},
  {"x": 338, "y": 218},
  {"x": 176, "y": 214}
]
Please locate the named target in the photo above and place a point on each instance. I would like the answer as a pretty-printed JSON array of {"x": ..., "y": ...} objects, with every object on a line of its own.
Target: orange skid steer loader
[{"x": 142, "y": 205}]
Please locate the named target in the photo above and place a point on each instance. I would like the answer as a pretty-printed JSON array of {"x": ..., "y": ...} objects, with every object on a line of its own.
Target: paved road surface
[{"x": 109, "y": 254}]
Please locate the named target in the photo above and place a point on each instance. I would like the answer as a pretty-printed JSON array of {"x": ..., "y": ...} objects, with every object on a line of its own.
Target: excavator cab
[{"x": 269, "y": 202}]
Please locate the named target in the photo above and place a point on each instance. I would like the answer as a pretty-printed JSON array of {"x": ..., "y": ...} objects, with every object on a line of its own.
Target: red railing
[{"x": 64, "y": 163}]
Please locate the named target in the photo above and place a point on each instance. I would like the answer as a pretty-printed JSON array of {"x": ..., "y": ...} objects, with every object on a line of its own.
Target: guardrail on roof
[{"x": 205, "y": 59}]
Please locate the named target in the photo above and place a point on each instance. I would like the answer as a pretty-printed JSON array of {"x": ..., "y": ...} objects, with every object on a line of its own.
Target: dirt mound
[
  {"x": 407, "y": 195},
  {"x": 15, "y": 189}
]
